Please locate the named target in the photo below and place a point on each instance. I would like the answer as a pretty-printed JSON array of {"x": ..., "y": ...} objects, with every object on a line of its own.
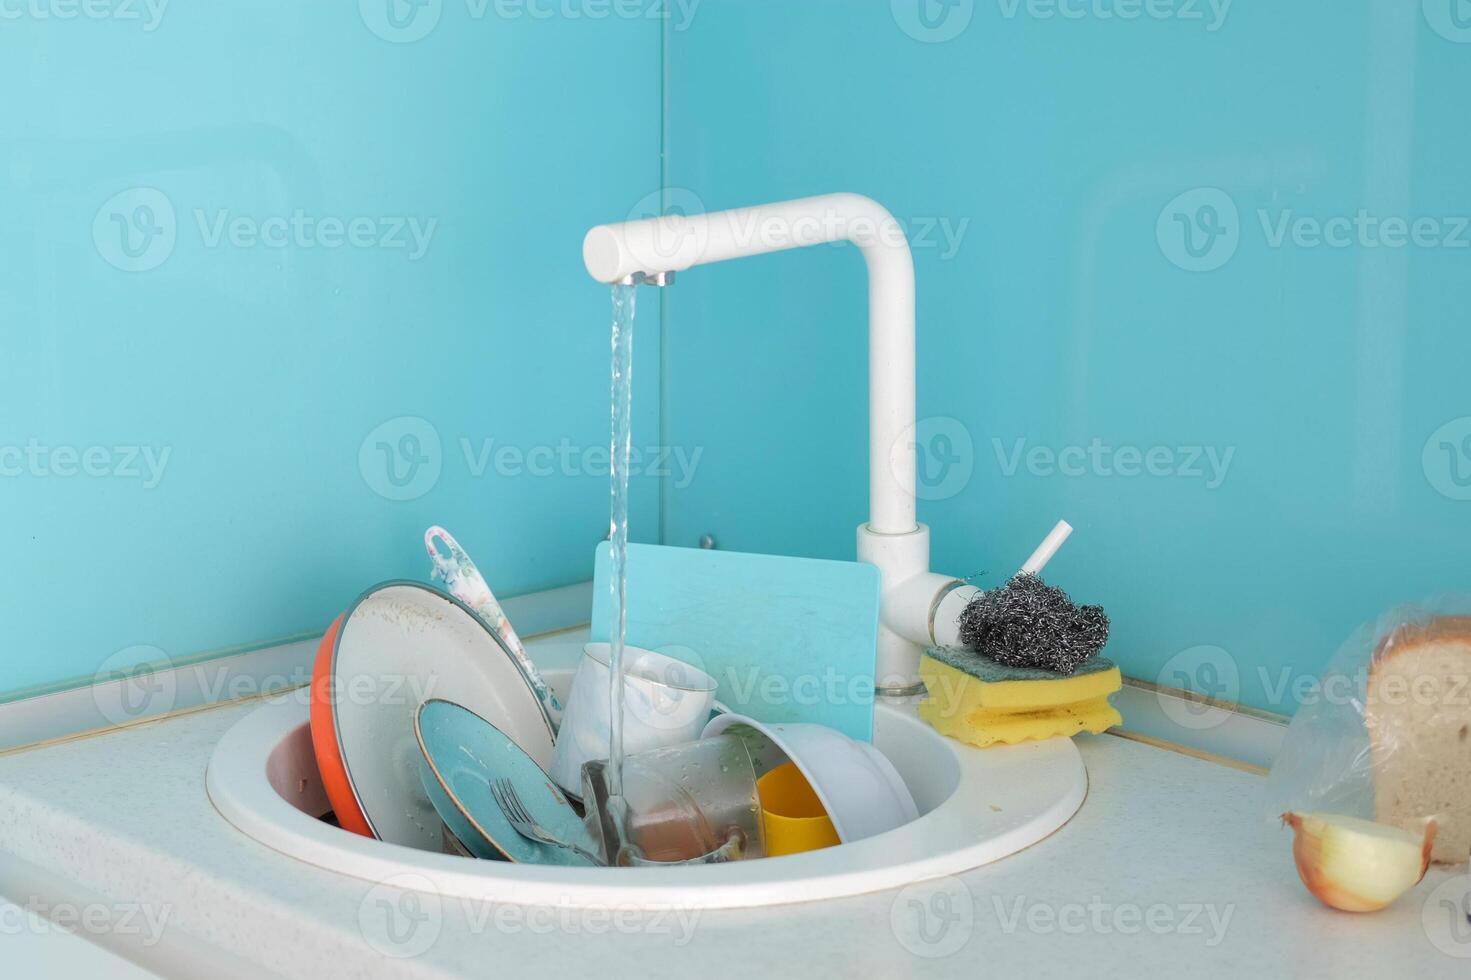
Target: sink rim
[{"x": 1004, "y": 800}]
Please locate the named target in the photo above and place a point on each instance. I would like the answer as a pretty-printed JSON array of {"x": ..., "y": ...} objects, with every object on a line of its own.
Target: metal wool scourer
[
  {"x": 1029, "y": 669},
  {"x": 1028, "y": 623}
]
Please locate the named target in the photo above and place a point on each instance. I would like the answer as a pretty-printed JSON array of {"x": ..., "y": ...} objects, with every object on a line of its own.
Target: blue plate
[{"x": 462, "y": 754}]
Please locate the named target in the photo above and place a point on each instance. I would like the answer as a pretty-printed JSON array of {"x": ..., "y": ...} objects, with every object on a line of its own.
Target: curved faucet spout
[
  {"x": 653, "y": 250},
  {"x": 655, "y": 247}
]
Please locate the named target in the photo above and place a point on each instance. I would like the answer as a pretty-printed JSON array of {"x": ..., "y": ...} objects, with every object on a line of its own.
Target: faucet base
[
  {"x": 910, "y": 593},
  {"x": 914, "y": 691}
]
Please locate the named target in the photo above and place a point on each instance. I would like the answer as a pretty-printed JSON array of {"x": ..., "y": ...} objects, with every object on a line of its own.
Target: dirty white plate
[{"x": 401, "y": 644}]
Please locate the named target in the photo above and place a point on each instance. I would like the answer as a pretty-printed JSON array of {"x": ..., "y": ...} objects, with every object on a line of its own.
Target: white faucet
[{"x": 919, "y": 608}]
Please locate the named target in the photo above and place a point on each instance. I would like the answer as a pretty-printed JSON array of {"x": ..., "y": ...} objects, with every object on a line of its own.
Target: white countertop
[
  {"x": 36, "y": 946},
  {"x": 1169, "y": 866}
]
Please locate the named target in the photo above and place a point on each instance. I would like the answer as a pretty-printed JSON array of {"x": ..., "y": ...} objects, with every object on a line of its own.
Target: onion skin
[{"x": 1314, "y": 870}]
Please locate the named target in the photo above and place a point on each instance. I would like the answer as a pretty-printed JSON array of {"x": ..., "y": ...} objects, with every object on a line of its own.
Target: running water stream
[{"x": 623, "y": 316}]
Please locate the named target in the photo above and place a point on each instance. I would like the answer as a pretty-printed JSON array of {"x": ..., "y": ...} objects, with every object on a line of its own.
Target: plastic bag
[{"x": 1385, "y": 734}]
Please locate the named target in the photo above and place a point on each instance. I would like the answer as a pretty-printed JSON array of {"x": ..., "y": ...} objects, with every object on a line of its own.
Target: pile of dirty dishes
[
  {"x": 434, "y": 732},
  {"x": 702, "y": 785}
]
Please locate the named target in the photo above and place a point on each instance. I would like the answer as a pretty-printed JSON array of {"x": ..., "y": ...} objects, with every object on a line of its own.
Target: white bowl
[{"x": 860, "y": 789}]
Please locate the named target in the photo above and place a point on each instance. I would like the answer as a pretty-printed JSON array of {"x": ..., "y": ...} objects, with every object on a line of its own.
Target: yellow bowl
[{"x": 794, "y": 816}]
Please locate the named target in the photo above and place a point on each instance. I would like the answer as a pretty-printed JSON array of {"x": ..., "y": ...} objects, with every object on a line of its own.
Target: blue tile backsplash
[
  {"x": 303, "y": 279},
  {"x": 300, "y": 282},
  {"x": 1192, "y": 276}
]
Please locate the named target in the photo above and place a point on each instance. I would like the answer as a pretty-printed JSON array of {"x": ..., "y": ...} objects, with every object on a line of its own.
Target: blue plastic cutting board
[{"x": 788, "y": 639}]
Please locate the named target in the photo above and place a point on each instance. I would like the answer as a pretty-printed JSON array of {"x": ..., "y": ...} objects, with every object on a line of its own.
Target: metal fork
[{"x": 515, "y": 811}]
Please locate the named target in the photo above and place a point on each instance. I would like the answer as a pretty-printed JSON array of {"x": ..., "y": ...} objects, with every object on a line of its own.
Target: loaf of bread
[{"x": 1418, "y": 713}]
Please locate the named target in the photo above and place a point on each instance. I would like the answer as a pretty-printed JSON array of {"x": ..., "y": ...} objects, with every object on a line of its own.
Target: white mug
[{"x": 665, "y": 702}]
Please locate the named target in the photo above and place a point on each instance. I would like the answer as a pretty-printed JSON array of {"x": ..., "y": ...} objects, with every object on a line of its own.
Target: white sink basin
[{"x": 976, "y": 806}]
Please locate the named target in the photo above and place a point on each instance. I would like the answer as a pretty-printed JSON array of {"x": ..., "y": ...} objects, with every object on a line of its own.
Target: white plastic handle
[{"x": 1047, "y": 549}]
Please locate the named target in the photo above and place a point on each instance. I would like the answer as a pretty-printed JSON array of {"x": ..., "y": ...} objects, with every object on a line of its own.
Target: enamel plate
[
  {"x": 461, "y": 755},
  {"x": 400, "y": 645}
]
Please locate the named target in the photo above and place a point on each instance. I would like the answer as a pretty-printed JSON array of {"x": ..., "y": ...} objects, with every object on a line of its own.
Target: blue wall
[
  {"x": 1048, "y": 161},
  {"x": 258, "y": 372},
  {"x": 1068, "y": 155}
]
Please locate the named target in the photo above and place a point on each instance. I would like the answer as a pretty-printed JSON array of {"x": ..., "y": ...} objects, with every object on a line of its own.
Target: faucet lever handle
[{"x": 1047, "y": 549}]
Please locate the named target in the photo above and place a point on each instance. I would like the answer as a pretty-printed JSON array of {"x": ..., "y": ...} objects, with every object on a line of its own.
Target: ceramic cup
[
  {"x": 665, "y": 702},
  {"x": 694, "y": 803}
]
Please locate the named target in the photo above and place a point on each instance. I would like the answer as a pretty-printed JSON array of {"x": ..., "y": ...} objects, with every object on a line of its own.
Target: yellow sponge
[
  {"x": 976, "y": 700},
  {"x": 985, "y": 728}
]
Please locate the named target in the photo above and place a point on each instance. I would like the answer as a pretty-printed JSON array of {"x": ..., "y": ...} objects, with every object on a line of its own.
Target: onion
[{"x": 1357, "y": 865}]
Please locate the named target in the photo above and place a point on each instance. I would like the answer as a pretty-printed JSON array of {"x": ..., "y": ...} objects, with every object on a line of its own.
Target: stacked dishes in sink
[
  {"x": 377, "y": 715},
  {"x": 433, "y": 730}
]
